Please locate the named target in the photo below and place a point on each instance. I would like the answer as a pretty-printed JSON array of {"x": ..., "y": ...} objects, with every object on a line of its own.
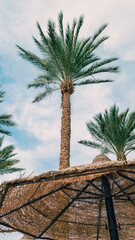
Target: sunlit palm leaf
[
  {"x": 7, "y": 161},
  {"x": 113, "y": 131}
]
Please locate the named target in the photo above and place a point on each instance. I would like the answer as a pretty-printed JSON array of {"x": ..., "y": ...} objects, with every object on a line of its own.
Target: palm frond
[
  {"x": 2, "y": 94},
  {"x": 79, "y": 25},
  {"x": 6, "y": 120},
  {"x": 112, "y": 69},
  {"x": 95, "y": 146},
  {"x": 97, "y": 43},
  {"x": 5, "y": 132},
  {"x": 41, "y": 96},
  {"x": 38, "y": 62},
  {"x": 92, "y": 81},
  {"x": 47, "y": 42},
  {"x": 60, "y": 20},
  {"x": 51, "y": 31},
  {"x": 80, "y": 45},
  {"x": 41, "y": 47},
  {"x": 43, "y": 38},
  {"x": 90, "y": 144},
  {"x": 43, "y": 81},
  {"x": 98, "y": 32},
  {"x": 97, "y": 132},
  {"x": 39, "y": 83},
  {"x": 10, "y": 170},
  {"x": 44, "y": 94},
  {"x": 7, "y": 161},
  {"x": 98, "y": 67}
]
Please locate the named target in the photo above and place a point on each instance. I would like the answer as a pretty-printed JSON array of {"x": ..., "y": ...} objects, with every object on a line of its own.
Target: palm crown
[
  {"x": 66, "y": 62},
  {"x": 113, "y": 132}
]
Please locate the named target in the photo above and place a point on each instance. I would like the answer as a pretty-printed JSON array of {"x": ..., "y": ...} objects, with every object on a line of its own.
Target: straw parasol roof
[
  {"x": 26, "y": 237},
  {"x": 70, "y": 203}
]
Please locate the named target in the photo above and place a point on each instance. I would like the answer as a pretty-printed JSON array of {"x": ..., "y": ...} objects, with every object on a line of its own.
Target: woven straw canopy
[
  {"x": 70, "y": 203},
  {"x": 27, "y": 238}
]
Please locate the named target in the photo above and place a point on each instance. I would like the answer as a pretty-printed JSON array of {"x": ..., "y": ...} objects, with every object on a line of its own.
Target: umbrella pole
[{"x": 110, "y": 209}]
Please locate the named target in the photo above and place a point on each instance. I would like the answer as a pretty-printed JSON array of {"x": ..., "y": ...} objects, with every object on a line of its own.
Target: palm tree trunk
[
  {"x": 65, "y": 132},
  {"x": 121, "y": 157}
]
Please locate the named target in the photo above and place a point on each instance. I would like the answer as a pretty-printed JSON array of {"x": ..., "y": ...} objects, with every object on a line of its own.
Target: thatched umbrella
[
  {"x": 26, "y": 237},
  {"x": 74, "y": 203}
]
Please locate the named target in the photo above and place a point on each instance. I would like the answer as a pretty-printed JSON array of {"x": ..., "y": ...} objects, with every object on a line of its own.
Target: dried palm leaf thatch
[
  {"x": 70, "y": 203},
  {"x": 26, "y": 237}
]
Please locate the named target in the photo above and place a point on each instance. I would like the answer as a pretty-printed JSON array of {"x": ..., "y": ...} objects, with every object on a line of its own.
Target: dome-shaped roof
[{"x": 101, "y": 158}]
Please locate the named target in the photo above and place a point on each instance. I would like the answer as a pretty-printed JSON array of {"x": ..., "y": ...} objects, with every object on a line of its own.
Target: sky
[{"x": 37, "y": 134}]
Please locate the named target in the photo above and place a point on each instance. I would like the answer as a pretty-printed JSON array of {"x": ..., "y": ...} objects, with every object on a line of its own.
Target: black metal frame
[{"x": 110, "y": 209}]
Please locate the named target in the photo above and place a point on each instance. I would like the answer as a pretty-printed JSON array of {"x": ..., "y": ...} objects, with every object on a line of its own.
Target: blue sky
[{"x": 37, "y": 135}]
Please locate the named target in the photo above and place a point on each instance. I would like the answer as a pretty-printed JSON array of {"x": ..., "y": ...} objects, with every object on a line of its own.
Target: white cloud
[
  {"x": 19, "y": 18},
  {"x": 87, "y": 101},
  {"x": 10, "y": 236}
]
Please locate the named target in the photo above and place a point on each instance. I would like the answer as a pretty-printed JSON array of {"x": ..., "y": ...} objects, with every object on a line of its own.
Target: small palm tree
[
  {"x": 113, "y": 132},
  {"x": 67, "y": 62},
  {"x": 5, "y": 119},
  {"x": 6, "y": 159}
]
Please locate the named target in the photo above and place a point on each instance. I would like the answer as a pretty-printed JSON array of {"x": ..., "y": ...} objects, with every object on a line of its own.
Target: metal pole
[{"x": 110, "y": 209}]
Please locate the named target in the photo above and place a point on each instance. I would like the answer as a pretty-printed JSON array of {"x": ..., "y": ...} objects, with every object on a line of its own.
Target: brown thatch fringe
[{"x": 69, "y": 203}]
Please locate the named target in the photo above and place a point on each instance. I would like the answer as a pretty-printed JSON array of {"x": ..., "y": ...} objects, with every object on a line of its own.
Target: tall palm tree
[
  {"x": 114, "y": 132},
  {"x": 5, "y": 119},
  {"x": 7, "y": 161},
  {"x": 67, "y": 62}
]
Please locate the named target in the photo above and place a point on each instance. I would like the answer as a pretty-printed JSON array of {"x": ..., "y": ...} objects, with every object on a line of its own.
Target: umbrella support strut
[{"x": 110, "y": 209}]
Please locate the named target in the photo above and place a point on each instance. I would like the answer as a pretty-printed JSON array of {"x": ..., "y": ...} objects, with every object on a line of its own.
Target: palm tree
[
  {"x": 67, "y": 62},
  {"x": 5, "y": 119},
  {"x": 113, "y": 132},
  {"x": 6, "y": 159}
]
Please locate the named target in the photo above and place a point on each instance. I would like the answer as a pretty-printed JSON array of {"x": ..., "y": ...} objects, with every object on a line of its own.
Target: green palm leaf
[
  {"x": 7, "y": 161},
  {"x": 6, "y": 120},
  {"x": 92, "y": 81},
  {"x": 113, "y": 132}
]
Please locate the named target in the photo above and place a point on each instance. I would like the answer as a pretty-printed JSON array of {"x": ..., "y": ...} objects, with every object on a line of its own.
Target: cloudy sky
[{"x": 37, "y": 135}]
